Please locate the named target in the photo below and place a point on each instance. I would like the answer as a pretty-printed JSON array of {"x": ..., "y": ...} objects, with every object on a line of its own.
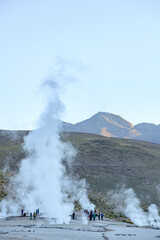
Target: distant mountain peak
[
  {"x": 106, "y": 124},
  {"x": 112, "y": 125}
]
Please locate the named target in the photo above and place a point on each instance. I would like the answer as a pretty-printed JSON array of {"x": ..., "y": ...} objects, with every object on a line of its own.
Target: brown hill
[
  {"x": 104, "y": 162},
  {"x": 109, "y": 162}
]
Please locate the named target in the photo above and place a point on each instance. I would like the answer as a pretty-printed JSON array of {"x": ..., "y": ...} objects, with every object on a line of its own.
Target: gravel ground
[{"x": 18, "y": 228}]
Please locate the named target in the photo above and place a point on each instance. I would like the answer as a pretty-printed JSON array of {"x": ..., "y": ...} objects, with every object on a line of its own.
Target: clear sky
[{"x": 112, "y": 48}]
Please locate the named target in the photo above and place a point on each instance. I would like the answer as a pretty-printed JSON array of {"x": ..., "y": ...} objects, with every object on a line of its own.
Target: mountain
[
  {"x": 149, "y": 132},
  {"x": 111, "y": 125},
  {"x": 106, "y": 124}
]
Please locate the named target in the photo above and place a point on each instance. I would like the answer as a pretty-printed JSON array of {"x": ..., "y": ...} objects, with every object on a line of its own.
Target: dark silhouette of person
[
  {"x": 90, "y": 216},
  {"x": 73, "y": 216}
]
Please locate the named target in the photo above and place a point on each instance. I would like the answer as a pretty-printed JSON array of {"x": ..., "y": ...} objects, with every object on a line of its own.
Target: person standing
[
  {"x": 22, "y": 213},
  {"x": 90, "y": 216},
  {"x": 73, "y": 215},
  {"x": 34, "y": 215},
  {"x": 94, "y": 216}
]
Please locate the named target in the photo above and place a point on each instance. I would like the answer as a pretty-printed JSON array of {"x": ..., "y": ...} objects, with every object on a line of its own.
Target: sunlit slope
[{"x": 104, "y": 162}]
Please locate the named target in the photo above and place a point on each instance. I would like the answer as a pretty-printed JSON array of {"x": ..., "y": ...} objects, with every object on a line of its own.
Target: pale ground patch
[{"x": 18, "y": 228}]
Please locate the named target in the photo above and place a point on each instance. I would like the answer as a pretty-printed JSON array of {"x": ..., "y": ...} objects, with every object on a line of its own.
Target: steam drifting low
[
  {"x": 42, "y": 181},
  {"x": 127, "y": 202}
]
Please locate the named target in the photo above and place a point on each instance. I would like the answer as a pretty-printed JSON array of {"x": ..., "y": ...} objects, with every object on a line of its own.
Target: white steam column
[{"x": 42, "y": 181}]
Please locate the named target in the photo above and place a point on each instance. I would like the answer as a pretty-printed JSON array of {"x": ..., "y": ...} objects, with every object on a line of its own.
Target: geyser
[
  {"x": 127, "y": 202},
  {"x": 42, "y": 181}
]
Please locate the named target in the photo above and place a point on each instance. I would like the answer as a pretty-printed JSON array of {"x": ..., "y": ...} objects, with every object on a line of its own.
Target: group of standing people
[
  {"x": 32, "y": 216},
  {"x": 92, "y": 215},
  {"x": 23, "y": 214},
  {"x": 35, "y": 214}
]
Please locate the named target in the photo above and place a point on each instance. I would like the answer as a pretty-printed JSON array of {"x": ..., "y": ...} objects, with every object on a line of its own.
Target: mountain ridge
[{"x": 112, "y": 125}]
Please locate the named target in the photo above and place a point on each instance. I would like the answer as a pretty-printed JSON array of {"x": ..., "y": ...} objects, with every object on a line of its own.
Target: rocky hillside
[
  {"x": 110, "y": 162},
  {"x": 104, "y": 162}
]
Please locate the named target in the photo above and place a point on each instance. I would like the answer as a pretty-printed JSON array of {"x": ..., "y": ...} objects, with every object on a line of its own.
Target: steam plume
[
  {"x": 42, "y": 181},
  {"x": 128, "y": 203}
]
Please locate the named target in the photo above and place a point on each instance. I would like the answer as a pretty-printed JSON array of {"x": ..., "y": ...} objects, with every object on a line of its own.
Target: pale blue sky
[{"x": 113, "y": 44}]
